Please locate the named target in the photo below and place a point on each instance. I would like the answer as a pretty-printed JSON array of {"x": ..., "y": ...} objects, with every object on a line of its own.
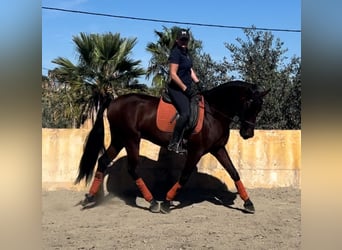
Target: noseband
[{"x": 252, "y": 124}]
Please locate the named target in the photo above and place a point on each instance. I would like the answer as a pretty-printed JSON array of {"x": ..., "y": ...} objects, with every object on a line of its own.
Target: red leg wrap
[
  {"x": 173, "y": 191},
  {"x": 144, "y": 190},
  {"x": 95, "y": 186},
  {"x": 241, "y": 189}
]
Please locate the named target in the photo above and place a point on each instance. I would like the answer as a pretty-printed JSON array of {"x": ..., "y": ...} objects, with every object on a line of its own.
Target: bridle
[{"x": 252, "y": 124}]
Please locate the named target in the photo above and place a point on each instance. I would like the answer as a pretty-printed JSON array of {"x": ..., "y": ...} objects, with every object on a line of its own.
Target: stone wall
[{"x": 272, "y": 158}]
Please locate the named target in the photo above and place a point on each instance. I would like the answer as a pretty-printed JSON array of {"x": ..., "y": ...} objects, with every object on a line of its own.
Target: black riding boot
[{"x": 175, "y": 144}]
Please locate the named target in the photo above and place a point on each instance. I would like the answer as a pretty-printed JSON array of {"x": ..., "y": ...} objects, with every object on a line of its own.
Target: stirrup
[{"x": 177, "y": 148}]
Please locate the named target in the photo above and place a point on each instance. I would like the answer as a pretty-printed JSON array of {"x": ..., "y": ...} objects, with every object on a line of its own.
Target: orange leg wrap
[
  {"x": 241, "y": 189},
  {"x": 95, "y": 186},
  {"x": 144, "y": 190},
  {"x": 173, "y": 192}
]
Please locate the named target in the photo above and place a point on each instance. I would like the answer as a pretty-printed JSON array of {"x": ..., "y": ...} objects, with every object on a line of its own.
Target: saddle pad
[{"x": 166, "y": 113}]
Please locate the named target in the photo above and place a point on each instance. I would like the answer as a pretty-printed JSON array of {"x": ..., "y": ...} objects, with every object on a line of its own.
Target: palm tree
[{"x": 104, "y": 66}]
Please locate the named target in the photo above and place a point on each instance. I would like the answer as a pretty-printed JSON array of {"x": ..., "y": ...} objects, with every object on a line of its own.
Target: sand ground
[{"x": 200, "y": 219}]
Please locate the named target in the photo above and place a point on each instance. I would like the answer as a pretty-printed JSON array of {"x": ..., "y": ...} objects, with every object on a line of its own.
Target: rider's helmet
[{"x": 183, "y": 35}]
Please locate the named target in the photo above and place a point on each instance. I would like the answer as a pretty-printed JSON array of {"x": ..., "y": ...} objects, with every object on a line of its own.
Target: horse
[{"x": 132, "y": 117}]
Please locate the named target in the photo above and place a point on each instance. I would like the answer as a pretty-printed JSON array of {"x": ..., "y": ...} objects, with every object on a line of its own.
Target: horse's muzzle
[{"x": 246, "y": 133}]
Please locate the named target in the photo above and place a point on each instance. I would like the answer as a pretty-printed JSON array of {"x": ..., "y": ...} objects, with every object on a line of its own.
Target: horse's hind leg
[
  {"x": 132, "y": 149},
  {"x": 189, "y": 167},
  {"x": 222, "y": 156},
  {"x": 103, "y": 162}
]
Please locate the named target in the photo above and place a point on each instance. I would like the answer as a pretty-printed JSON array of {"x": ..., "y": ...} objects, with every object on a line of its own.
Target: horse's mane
[
  {"x": 220, "y": 90},
  {"x": 230, "y": 93}
]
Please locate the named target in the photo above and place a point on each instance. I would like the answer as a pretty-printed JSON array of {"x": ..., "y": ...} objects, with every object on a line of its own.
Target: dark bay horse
[{"x": 133, "y": 117}]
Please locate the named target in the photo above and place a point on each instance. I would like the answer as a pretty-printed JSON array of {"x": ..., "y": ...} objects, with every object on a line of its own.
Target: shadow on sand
[{"x": 160, "y": 176}]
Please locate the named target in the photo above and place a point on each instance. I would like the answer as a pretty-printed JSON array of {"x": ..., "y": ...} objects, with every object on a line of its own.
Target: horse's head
[
  {"x": 251, "y": 106},
  {"x": 238, "y": 98}
]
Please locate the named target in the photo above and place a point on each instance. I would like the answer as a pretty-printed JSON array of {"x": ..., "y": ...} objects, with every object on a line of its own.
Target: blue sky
[{"x": 58, "y": 28}]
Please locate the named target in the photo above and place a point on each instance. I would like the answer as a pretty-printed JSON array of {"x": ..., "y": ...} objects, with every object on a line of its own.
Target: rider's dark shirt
[{"x": 181, "y": 57}]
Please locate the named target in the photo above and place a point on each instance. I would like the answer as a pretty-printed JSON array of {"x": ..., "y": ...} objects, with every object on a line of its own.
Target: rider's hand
[
  {"x": 190, "y": 92},
  {"x": 199, "y": 87}
]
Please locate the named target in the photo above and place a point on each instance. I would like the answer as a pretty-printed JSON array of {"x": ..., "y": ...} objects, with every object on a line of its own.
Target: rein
[
  {"x": 249, "y": 123},
  {"x": 226, "y": 116}
]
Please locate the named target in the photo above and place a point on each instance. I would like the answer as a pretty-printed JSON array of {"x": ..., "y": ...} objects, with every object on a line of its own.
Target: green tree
[
  {"x": 210, "y": 73},
  {"x": 104, "y": 67},
  {"x": 292, "y": 103},
  {"x": 54, "y": 113},
  {"x": 260, "y": 59}
]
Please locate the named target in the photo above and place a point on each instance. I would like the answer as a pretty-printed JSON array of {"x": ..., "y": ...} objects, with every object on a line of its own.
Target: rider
[{"x": 182, "y": 75}]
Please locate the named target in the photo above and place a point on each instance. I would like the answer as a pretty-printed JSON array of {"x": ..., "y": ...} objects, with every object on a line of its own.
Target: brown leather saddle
[{"x": 167, "y": 114}]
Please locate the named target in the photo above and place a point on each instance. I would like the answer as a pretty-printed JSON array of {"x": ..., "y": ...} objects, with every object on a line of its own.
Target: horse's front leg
[
  {"x": 222, "y": 156},
  {"x": 189, "y": 167}
]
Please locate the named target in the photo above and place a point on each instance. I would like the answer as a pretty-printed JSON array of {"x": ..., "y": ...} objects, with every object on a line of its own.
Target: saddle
[{"x": 167, "y": 114}]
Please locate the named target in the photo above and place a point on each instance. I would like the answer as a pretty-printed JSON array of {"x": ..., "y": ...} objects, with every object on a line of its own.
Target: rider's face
[{"x": 183, "y": 42}]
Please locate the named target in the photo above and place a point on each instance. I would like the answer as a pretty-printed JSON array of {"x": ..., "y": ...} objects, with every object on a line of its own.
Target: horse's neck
[
  {"x": 219, "y": 114},
  {"x": 226, "y": 103}
]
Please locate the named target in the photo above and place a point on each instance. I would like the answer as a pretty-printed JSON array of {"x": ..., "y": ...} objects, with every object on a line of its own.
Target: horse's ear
[{"x": 263, "y": 93}]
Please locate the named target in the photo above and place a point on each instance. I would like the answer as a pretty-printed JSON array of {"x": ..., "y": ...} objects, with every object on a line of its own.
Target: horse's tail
[{"x": 94, "y": 144}]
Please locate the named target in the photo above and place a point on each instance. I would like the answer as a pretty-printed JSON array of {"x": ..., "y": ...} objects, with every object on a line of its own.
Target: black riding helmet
[{"x": 183, "y": 34}]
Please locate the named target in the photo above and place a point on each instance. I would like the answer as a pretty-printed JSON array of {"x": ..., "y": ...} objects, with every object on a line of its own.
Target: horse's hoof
[
  {"x": 89, "y": 201},
  {"x": 165, "y": 207},
  {"x": 249, "y": 207},
  {"x": 154, "y": 206}
]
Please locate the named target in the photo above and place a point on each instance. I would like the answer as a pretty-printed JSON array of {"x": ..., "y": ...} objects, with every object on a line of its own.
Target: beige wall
[{"x": 272, "y": 158}]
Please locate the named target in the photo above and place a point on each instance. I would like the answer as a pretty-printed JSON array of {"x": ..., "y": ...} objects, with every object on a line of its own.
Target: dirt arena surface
[{"x": 199, "y": 219}]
